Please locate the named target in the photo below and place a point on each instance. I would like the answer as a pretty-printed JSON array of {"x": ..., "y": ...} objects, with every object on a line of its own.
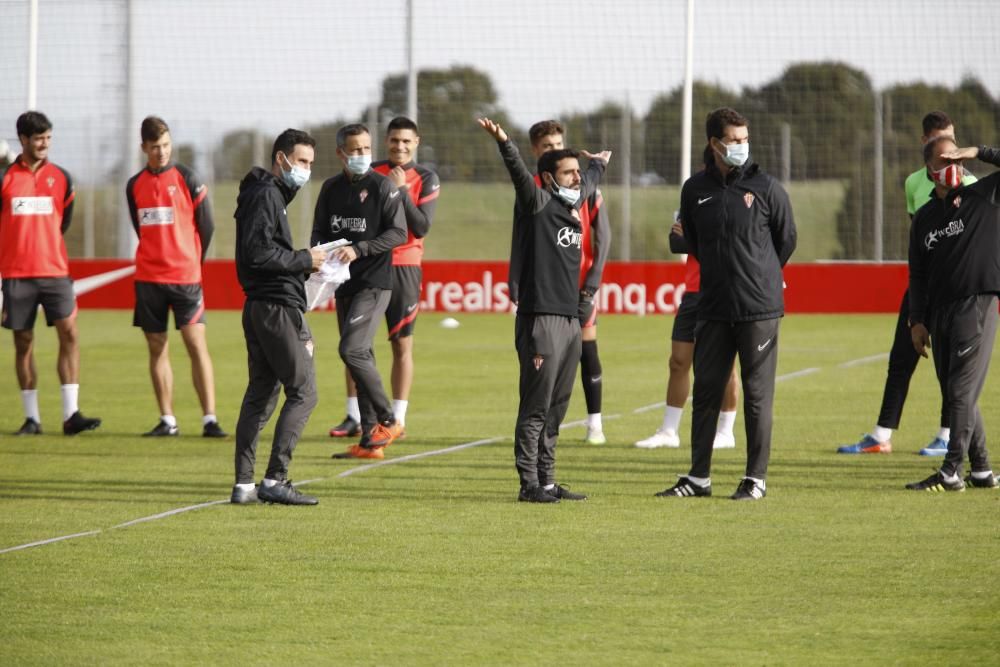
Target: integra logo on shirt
[
  {"x": 340, "y": 224},
  {"x": 31, "y": 206},
  {"x": 156, "y": 215},
  {"x": 953, "y": 228},
  {"x": 568, "y": 237}
]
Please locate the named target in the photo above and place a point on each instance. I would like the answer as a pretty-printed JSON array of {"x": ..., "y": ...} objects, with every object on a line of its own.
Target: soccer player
[
  {"x": 422, "y": 187},
  {"x": 902, "y": 357},
  {"x": 365, "y": 208},
  {"x": 681, "y": 357},
  {"x": 545, "y": 136},
  {"x": 36, "y": 208},
  {"x": 547, "y": 329},
  {"x": 954, "y": 283},
  {"x": 279, "y": 343},
  {"x": 172, "y": 217},
  {"x": 738, "y": 224}
]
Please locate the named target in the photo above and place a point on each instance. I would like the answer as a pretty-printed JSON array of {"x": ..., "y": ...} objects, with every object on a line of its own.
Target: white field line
[
  {"x": 370, "y": 466},
  {"x": 864, "y": 360}
]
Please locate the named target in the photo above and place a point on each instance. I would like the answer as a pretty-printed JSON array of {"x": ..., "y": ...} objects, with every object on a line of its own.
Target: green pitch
[{"x": 432, "y": 561}]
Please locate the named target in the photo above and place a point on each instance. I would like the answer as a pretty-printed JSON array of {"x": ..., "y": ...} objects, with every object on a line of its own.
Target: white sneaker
[
  {"x": 724, "y": 441},
  {"x": 595, "y": 437},
  {"x": 660, "y": 439}
]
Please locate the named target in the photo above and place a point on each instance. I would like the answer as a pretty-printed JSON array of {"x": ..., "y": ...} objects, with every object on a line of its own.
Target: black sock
[{"x": 590, "y": 374}]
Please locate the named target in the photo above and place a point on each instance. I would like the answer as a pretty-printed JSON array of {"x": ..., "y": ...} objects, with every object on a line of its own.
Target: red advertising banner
[{"x": 637, "y": 288}]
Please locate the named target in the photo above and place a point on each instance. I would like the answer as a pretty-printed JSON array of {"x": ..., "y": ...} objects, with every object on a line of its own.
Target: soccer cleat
[
  {"x": 660, "y": 439},
  {"x": 749, "y": 490},
  {"x": 346, "y": 429},
  {"x": 685, "y": 488},
  {"x": 563, "y": 493},
  {"x": 937, "y": 482},
  {"x": 162, "y": 430},
  {"x": 724, "y": 441},
  {"x": 595, "y": 437},
  {"x": 241, "y": 497},
  {"x": 212, "y": 430},
  {"x": 283, "y": 493},
  {"x": 867, "y": 445},
  {"x": 990, "y": 482},
  {"x": 383, "y": 434},
  {"x": 938, "y": 447},
  {"x": 535, "y": 494},
  {"x": 361, "y": 452},
  {"x": 77, "y": 423},
  {"x": 29, "y": 427}
]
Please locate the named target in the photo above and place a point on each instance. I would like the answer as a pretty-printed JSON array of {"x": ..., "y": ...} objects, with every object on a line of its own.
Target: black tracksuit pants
[
  {"x": 279, "y": 354},
  {"x": 903, "y": 360},
  {"x": 358, "y": 317},
  {"x": 548, "y": 349},
  {"x": 962, "y": 342},
  {"x": 716, "y": 346}
]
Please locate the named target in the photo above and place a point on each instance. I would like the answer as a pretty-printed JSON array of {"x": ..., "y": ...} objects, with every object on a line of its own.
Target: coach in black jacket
[
  {"x": 954, "y": 283},
  {"x": 279, "y": 343},
  {"x": 738, "y": 223}
]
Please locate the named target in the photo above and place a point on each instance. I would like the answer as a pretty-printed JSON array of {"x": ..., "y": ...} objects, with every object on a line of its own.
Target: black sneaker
[
  {"x": 563, "y": 493},
  {"x": 535, "y": 494},
  {"x": 685, "y": 488},
  {"x": 29, "y": 427},
  {"x": 283, "y": 493},
  {"x": 241, "y": 497},
  {"x": 990, "y": 482},
  {"x": 346, "y": 429},
  {"x": 77, "y": 423},
  {"x": 212, "y": 430},
  {"x": 936, "y": 482},
  {"x": 749, "y": 490},
  {"x": 162, "y": 430}
]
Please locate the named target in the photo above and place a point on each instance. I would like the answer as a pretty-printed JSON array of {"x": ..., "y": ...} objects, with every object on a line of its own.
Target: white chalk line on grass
[{"x": 386, "y": 462}]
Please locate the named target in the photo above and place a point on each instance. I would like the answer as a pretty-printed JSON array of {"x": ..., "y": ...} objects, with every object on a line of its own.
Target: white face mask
[
  {"x": 736, "y": 154},
  {"x": 296, "y": 176},
  {"x": 568, "y": 195},
  {"x": 358, "y": 164}
]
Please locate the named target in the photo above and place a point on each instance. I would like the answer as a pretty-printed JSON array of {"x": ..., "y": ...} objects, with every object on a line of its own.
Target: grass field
[{"x": 432, "y": 561}]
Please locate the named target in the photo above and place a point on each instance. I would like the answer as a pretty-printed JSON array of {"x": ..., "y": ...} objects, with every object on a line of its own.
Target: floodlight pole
[
  {"x": 127, "y": 241},
  {"x": 879, "y": 179},
  {"x": 32, "y": 54},
  {"x": 686, "y": 103},
  {"x": 411, "y": 74}
]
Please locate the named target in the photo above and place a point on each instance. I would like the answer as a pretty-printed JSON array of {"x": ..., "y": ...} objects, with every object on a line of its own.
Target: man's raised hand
[
  {"x": 604, "y": 156},
  {"x": 493, "y": 129}
]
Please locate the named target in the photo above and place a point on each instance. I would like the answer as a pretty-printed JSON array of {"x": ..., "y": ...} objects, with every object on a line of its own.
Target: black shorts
[
  {"x": 586, "y": 312},
  {"x": 404, "y": 304},
  {"x": 153, "y": 302},
  {"x": 22, "y": 296},
  {"x": 686, "y": 318}
]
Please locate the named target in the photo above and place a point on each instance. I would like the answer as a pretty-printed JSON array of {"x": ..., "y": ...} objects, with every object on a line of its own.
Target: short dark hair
[
  {"x": 721, "y": 118},
  {"x": 153, "y": 127},
  {"x": 930, "y": 147},
  {"x": 544, "y": 128},
  {"x": 31, "y": 123},
  {"x": 936, "y": 120},
  {"x": 288, "y": 140},
  {"x": 551, "y": 159},
  {"x": 402, "y": 123},
  {"x": 350, "y": 130}
]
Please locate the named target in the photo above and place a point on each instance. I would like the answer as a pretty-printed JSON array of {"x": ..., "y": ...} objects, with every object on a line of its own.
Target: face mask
[
  {"x": 296, "y": 176},
  {"x": 949, "y": 176},
  {"x": 568, "y": 195},
  {"x": 358, "y": 164},
  {"x": 736, "y": 154}
]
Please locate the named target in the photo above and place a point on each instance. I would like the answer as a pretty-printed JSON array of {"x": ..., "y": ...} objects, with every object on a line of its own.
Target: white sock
[
  {"x": 70, "y": 397},
  {"x": 245, "y": 487},
  {"x": 594, "y": 422},
  {"x": 399, "y": 410},
  {"x": 700, "y": 481},
  {"x": 29, "y": 398},
  {"x": 169, "y": 420},
  {"x": 758, "y": 482},
  {"x": 982, "y": 474},
  {"x": 949, "y": 478},
  {"x": 672, "y": 419},
  {"x": 944, "y": 433},
  {"x": 881, "y": 433},
  {"x": 726, "y": 422},
  {"x": 268, "y": 483},
  {"x": 353, "y": 411},
  {"x": 208, "y": 419}
]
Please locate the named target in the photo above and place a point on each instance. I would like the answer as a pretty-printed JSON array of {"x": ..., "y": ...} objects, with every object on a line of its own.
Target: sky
[{"x": 209, "y": 67}]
